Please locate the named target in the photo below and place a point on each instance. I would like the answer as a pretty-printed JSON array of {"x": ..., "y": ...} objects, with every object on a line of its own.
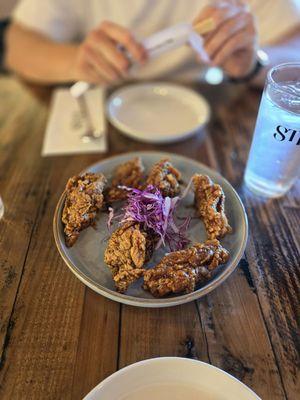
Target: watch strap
[{"x": 244, "y": 79}]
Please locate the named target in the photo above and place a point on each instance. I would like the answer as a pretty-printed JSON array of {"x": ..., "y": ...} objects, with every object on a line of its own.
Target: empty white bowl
[{"x": 171, "y": 378}]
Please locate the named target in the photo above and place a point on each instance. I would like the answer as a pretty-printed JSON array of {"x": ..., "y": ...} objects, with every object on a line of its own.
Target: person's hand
[
  {"x": 99, "y": 58},
  {"x": 232, "y": 44}
]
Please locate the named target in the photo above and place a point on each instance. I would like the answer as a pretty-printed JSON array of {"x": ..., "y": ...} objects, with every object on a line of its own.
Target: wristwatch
[{"x": 262, "y": 61}]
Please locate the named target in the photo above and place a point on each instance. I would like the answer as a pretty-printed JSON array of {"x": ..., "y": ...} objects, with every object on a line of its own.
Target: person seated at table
[{"x": 58, "y": 41}]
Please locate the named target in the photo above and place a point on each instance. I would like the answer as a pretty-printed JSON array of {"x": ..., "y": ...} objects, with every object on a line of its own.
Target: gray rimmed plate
[{"x": 85, "y": 258}]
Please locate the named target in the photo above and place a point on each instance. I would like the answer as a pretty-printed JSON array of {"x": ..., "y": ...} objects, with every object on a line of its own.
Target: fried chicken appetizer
[
  {"x": 128, "y": 249},
  {"x": 165, "y": 177},
  {"x": 129, "y": 174},
  {"x": 210, "y": 204},
  {"x": 180, "y": 271},
  {"x": 84, "y": 197}
]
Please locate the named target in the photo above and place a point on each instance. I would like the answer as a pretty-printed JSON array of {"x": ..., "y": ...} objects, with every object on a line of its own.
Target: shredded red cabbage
[{"x": 157, "y": 213}]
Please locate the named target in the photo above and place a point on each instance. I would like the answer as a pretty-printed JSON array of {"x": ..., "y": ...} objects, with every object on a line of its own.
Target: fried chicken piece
[
  {"x": 180, "y": 271},
  {"x": 165, "y": 177},
  {"x": 128, "y": 249},
  {"x": 83, "y": 199},
  {"x": 210, "y": 204},
  {"x": 129, "y": 174}
]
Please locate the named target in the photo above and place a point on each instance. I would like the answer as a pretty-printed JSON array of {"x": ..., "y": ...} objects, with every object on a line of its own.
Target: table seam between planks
[
  {"x": 203, "y": 330},
  {"x": 119, "y": 337}
]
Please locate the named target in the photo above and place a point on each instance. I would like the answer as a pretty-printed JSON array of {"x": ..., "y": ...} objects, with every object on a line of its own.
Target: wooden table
[{"x": 58, "y": 338}]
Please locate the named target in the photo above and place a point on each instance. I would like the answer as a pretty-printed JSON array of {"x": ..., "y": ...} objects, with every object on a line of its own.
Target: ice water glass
[{"x": 274, "y": 160}]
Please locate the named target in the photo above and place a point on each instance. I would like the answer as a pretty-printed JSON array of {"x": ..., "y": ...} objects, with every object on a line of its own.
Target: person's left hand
[{"x": 232, "y": 44}]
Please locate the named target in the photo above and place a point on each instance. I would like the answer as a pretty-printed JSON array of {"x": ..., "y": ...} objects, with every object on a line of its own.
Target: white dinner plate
[
  {"x": 171, "y": 378},
  {"x": 157, "y": 112}
]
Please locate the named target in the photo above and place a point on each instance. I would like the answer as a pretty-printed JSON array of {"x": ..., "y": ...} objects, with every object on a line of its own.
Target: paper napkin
[{"x": 65, "y": 125}]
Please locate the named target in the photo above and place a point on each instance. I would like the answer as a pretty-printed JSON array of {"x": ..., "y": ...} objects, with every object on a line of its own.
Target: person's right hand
[{"x": 99, "y": 59}]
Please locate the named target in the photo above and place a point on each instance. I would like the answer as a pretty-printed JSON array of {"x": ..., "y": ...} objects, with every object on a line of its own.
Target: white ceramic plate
[
  {"x": 85, "y": 258},
  {"x": 157, "y": 112},
  {"x": 171, "y": 378}
]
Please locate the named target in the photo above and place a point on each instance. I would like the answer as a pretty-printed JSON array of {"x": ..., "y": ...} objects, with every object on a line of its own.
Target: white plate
[
  {"x": 157, "y": 112},
  {"x": 171, "y": 378}
]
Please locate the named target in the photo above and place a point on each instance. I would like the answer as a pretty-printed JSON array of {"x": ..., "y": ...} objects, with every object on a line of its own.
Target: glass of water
[{"x": 274, "y": 160}]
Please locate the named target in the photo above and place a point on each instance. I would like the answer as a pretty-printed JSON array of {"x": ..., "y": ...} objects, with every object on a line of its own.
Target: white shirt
[{"x": 71, "y": 20}]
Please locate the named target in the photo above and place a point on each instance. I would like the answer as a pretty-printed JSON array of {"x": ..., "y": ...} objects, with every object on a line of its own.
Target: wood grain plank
[
  {"x": 272, "y": 254},
  {"x": 147, "y": 333},
  {"x": 237, "y": 339},
  {"x": 290, "y": 210},
  {"x": 272, "y": 250},
  {"x": 21, "y": 185},
  {"x": 97, "y": 351},
  {"x": 46, "y": 320},
  {"x": 45, "y": 323}
]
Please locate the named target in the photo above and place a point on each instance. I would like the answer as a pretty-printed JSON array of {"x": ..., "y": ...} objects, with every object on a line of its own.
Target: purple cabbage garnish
[{"x": 156, "y": 213}]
